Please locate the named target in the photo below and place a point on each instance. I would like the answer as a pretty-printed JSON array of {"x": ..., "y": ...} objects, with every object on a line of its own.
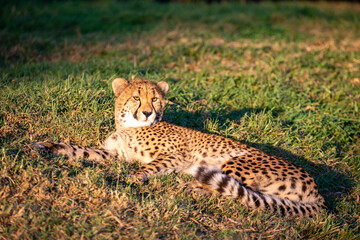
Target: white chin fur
[{"x": 128, "y": 123}]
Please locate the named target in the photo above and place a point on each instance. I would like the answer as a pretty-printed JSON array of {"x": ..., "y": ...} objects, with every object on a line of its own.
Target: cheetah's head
[{"x": 139, "y": 102}]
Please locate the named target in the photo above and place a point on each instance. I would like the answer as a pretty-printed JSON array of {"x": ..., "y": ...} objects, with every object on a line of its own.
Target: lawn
[{"x": 283, "y": 77}]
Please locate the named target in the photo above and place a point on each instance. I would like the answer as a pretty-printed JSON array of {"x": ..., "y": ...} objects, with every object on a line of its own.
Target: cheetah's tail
[
  {"x": 73, "y": 151},
  {"x": 229, "y": 187}
]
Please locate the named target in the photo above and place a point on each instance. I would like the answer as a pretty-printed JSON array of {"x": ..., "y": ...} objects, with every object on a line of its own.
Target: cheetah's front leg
[{"x": 162, "y": 164}]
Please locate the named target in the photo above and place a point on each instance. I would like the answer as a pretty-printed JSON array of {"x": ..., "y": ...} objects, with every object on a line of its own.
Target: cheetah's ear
[
  {"x": 118, "y": 85},
  {"x": 164, "y": 86}
]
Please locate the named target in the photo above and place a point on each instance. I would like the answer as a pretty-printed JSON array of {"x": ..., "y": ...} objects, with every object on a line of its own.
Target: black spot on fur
[
  {"x": 223, "y": 184},
  {"x": 73, "y": 148},
  {"x": 265, "y": 202},
  {"x": 302, "y": 210},
  {"x": 308, "y": 209},
  {"x": 240, "y": 192},
  {"x": 288, "y": 209},
  {"x": 295, "y": 210},
  {"x": 256, "y": 200},
  {"x": 282, "y": 210},
  {"x": 205, "y": 177},
  {"x": 86, "y": 154}
]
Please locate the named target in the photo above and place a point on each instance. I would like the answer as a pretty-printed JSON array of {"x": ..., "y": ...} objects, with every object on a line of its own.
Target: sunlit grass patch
[{"x": 283, "y": 77}]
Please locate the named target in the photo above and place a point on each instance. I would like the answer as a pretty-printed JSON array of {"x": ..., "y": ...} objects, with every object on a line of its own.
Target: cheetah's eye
[
  {"x": 154, "y": 99},
  {"x": 136, "y": 98}
]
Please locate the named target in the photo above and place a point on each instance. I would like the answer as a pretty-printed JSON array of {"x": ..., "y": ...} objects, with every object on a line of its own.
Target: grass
[{"x": 283, "y": 77}]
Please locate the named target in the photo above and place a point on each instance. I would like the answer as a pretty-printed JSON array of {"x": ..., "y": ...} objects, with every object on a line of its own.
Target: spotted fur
[{"x": 219, "y": 164}]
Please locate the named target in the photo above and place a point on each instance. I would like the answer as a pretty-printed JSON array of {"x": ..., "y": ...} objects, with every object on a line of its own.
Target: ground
[{"x": 283, "y": 77}]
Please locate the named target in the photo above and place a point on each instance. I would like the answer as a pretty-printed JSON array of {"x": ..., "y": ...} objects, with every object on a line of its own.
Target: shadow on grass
[
  {"x": 56, "y": 24},
  {"x": 333, "y": 185},
  {"x": 177, "y": 115}
]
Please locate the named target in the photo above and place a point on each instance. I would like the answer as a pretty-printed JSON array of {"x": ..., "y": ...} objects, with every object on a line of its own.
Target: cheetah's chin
[{"x": 135, "y": 123}]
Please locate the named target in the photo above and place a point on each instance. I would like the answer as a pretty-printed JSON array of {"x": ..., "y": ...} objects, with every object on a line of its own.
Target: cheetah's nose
[{"x": 147, "y": 114}]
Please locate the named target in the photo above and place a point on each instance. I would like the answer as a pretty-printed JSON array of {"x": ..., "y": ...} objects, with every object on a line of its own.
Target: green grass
[{"x": 283, "y": 77}]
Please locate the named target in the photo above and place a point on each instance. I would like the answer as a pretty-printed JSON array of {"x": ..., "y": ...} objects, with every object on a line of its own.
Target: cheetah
[{"x": 218, "y": 164}]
